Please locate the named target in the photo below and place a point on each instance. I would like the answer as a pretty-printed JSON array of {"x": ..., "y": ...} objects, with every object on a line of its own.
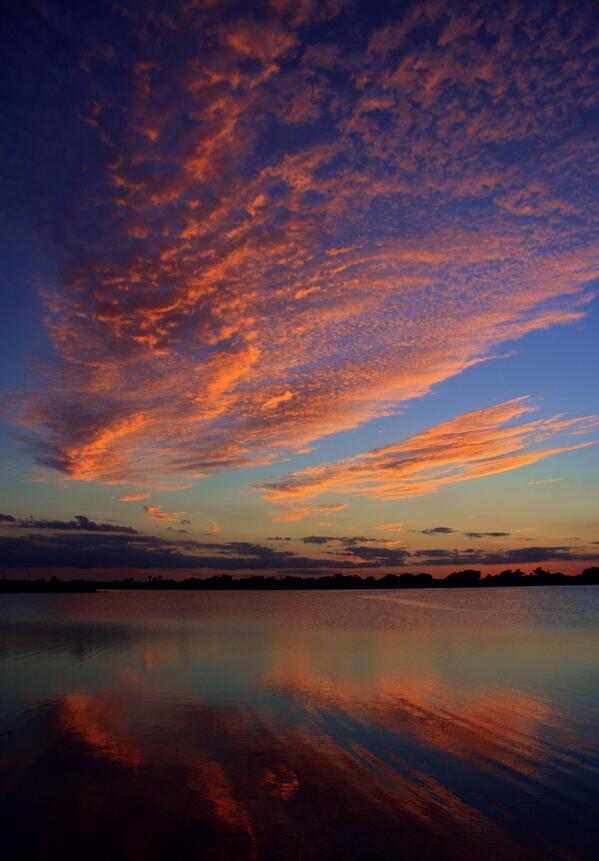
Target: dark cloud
[
  {"x": 79, "y": 523},
  {"x": 87, "y": 550},
  {"x": 439, "y": 530},
  {"x": 517, "y": 556},
  {"x": 85, "y": 543},
  {"x": 83, "y": 549},
  {"x": 348, "y": 540},
  {"x": 447, "y": 530},
  {"x": 381, "y": 556}
]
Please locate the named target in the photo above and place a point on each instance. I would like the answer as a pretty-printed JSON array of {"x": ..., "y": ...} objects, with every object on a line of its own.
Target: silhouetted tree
[
  {"x": 511, "y": 578},
  {"x": 589, "y": 576},
  {"x": 463, "y": 578},
  {"x": 405, "y": 580}
]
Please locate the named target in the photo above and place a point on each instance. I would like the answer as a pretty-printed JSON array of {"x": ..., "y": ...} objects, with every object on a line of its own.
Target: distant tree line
[{"x": 222, "y": 582}]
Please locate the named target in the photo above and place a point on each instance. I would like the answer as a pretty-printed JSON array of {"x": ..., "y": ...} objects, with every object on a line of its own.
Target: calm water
[{"x": 460, "y": 724}]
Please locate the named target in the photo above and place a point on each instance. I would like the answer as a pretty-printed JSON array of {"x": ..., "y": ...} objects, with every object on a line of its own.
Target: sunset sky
[{"x": 299, "y": 286}]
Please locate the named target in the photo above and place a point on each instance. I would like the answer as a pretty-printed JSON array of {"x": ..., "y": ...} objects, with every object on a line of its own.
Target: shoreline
[{"x": 226, "y": 583}]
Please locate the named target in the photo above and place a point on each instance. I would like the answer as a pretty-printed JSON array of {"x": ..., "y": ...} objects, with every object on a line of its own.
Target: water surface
[{"x": 459, "y": 724}]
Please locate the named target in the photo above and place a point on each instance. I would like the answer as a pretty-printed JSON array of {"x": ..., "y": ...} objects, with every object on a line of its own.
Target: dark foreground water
[{"x": 460, "y": 724}]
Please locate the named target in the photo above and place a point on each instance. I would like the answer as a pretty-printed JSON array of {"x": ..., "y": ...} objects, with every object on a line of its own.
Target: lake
[{"x": 458, "y": 724}]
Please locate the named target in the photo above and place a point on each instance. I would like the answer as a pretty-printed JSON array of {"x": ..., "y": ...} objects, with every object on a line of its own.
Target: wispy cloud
[
  {"x": 438, "y": 530},
  {"x": 474, "y": 445},
  {"x": 134, "y": 497},
  {"x": 294, "y": 512}
]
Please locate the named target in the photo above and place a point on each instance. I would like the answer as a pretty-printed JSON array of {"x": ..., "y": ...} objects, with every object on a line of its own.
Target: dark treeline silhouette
[{"x": 457, "y": 579}]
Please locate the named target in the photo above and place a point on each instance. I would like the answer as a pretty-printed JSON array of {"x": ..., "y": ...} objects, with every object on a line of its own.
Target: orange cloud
[
  {"x": 273, "y": 403},
  {"x": 100, "y": 722},
  {"x": 300, "y": 512},
  {"x": 134, "y": 497},
  {"x": 473, "y": 445},
  {"x": 415, "y": 246},
  {"x": 155, "y": 512},
  {"x": 292, "y": 514}
]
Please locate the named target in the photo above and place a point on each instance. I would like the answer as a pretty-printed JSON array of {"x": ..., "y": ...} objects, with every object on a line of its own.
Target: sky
[{"x": 299, "y": 286}]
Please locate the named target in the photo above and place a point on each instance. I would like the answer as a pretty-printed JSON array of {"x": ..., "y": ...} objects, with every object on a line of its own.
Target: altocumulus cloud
[{"x": 295, "y": 169}]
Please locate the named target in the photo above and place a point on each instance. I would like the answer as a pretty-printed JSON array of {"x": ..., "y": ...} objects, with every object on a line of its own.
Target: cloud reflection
[{"x": 244, "y": 734}]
